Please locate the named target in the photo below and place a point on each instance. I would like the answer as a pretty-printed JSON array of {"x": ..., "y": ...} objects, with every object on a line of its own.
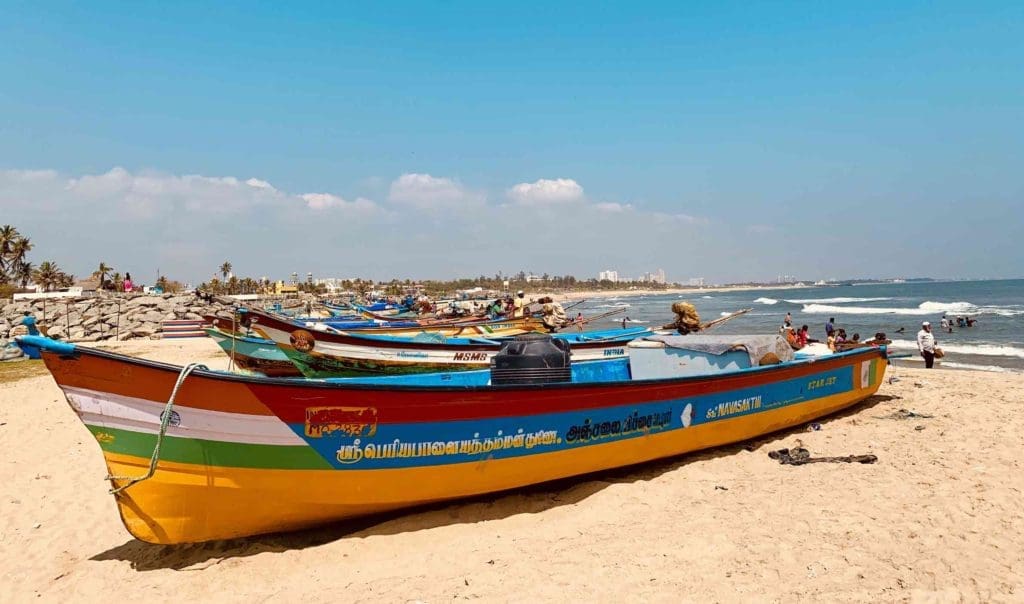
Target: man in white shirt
[{"x": 926, "y": 344}]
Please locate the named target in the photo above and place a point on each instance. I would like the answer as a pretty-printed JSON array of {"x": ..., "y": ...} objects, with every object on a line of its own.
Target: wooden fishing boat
[
  {"x": 253, "y": 353},
  {"x": 320, "y": 354},
  {"x": 505, "y": 327},
  {"x": 213, "y": 455}
]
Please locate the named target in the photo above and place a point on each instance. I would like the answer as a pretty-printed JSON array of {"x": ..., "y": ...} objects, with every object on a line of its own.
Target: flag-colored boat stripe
[
  {"x": 140, "y": 415},
  {"x": 208, "y": 452}
]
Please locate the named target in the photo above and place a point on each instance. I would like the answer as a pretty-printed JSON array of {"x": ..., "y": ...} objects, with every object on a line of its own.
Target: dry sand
[{"x": 938, "y": 518}]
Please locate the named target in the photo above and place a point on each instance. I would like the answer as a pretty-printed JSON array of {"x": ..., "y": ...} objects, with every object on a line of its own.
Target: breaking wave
[
  {"x": 619, "y": 305},
  {"x": 767, "y": 301},
  {"x": 835, "y": 300},
  {"x": 925, "y": 308},
  {"x": 987, "y": 350},
  {"x": 707, "y": 297}
]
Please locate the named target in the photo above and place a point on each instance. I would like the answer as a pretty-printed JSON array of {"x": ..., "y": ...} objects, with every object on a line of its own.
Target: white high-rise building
[
  {"x": 696, "y": 282},
  {"x": 608, "y": 275}
]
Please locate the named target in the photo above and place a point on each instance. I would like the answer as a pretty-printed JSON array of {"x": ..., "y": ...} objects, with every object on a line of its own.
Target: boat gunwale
[{"x": 837, "y": 359}]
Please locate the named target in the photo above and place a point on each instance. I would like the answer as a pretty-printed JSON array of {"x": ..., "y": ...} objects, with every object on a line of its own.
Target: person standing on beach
[
  {"x": 519, "y": 305},
  {"x": 926, "y": 344},
  {"x": 830, "y": 327}
]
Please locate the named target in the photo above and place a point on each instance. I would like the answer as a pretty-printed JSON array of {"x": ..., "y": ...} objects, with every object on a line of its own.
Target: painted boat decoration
[
  {"x": 320, "y": 354},
  {"x": 253, "y": 353},
  {"x": 244, "y": 455}
]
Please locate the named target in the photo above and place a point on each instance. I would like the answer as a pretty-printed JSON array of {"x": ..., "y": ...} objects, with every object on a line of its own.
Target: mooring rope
[{"x": 165, "y": 419}]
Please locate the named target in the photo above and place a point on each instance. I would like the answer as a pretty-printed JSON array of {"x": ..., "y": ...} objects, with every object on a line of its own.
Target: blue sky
[{"x": 728, "y": 140}]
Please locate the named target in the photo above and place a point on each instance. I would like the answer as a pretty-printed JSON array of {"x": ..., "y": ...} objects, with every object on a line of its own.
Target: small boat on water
[{"x": 195, "y": 455}]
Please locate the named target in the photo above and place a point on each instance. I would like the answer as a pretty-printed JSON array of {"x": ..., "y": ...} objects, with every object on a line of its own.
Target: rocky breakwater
[{"x": 108, "y": 317}]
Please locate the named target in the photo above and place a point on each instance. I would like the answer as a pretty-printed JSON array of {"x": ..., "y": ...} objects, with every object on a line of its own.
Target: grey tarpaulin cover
[{"x": 756, "y": 346}]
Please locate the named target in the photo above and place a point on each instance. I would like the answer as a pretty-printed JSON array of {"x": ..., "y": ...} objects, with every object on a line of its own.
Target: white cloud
[
  {"x": 612, "y": 207},
  {"x": 546, "y": 191},
  {"x": 324, "y": 201},
  {"x": 684, "y": 218},
  {"x": 186, "y": 225},
  {"x": 260, "y": 184},
  {"x": 424, "y": 191}
]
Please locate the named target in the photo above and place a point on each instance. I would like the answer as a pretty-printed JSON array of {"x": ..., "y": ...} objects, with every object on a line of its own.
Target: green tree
[
  {"x": 102, "y": 271},
  {"x": 47, "y": 275},
  {"x": 225, "y": 269}
]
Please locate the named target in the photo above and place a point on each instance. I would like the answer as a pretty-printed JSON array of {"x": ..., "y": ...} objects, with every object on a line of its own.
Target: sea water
[{"x": 994, "y": 343}]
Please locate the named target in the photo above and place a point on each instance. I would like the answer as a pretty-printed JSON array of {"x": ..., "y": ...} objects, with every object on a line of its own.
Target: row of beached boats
[{"x": 357, "y": 414}]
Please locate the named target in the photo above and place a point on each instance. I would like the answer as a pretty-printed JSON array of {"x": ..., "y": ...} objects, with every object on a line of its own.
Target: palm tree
[
  {"x": 225, "y": 269},
  {"x": 46, "y": 275},
  {"x": 20, "y": 248},
  {"x": 8, "y": 235},
  {"x": 115, "y": 281},
  {"x": 101, "y": 272},
  {"x": 23, "y": 273}
]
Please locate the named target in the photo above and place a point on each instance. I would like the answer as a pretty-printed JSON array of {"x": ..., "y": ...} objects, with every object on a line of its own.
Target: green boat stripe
[{"x": 209, "y": 452}]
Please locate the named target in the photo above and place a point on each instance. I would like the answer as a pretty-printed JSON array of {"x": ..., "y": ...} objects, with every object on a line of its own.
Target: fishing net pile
[{"x": 687, "y": 318}]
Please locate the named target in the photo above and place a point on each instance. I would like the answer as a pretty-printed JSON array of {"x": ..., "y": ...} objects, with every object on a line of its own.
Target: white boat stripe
[{"x": 192, "y": 422}]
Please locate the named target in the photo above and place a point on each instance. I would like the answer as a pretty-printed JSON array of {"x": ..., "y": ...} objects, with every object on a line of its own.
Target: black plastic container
[{"x": 532, "y": 358}]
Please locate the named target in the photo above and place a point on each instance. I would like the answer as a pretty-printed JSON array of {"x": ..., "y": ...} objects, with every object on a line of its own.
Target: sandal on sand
[{"x": 798, "y": 456}]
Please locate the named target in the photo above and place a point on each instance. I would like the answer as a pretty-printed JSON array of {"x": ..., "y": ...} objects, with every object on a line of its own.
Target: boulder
[{"x": 146, "y": 301}]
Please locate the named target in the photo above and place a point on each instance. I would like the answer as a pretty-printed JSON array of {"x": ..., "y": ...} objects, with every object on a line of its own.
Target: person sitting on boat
[
  {"x": 495, "y": 309},
  {"x": 831, "y": 341},
  {"x": 792, "y": 338},
  {"x": 803, "y": 336},
  {"x": 519, "y": 305}
]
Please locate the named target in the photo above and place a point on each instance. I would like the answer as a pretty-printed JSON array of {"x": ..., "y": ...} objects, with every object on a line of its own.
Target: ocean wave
[
  {"x": 707, "y": 297},
  {"x": 767, "y": 301},
  {"x": 726, "y": 314},
  {"x": 636, "y": 321},
  {"x": 953, "y": 307},
  {"x": 619, "y": 305},
  {"x": 986, "y": 350},
  {"x": 835, "y": 300},
  {"x": 923, "y": 309}
]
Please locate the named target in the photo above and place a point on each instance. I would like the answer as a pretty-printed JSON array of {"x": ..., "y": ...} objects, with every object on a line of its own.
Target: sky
[{"x": 732, "y": 141}]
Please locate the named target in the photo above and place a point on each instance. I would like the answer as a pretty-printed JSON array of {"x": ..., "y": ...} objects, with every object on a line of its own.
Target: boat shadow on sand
[{"x": 495, "y": 506}]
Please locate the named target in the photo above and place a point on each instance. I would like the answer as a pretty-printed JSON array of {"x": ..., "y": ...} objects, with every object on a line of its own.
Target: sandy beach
[{"x": 938, "y": 518}]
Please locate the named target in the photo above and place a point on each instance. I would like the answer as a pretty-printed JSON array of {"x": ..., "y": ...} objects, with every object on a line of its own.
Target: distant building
[
  {"x": 609, "y": 275},
  {"x": 533, "y": 278},
  {"x": 696, "y": 282},
  {"x": 281, "y": 288}
]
